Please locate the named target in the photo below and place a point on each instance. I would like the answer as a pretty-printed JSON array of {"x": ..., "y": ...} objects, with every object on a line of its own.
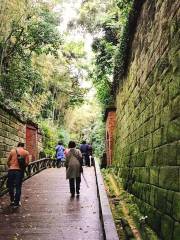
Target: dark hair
[
  {"x": 71, "y": 144},
  {"x": 60, "y": 143},
  {"x": 84, "y": 142},
  {"x": 20, "y": 144}
]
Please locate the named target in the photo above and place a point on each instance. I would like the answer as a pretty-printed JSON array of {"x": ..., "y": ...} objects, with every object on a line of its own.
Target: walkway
[{"x": 48, "y": 212}]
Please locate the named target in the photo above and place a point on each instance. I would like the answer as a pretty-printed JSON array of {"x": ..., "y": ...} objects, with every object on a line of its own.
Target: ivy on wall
[{"x": 123, "y": 50}]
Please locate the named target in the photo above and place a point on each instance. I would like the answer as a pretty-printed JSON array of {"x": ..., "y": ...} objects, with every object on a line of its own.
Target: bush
[{"x": 50, "y": 137}]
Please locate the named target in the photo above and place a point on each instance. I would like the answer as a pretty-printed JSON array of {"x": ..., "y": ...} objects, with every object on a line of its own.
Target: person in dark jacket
[
  {"x": 84, "y": 148},
  {"x": 73, "y": 168}
]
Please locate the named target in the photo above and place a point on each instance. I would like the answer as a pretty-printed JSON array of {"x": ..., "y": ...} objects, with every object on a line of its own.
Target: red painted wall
[
  {"x": 110, "y": 126},
  {"x": 32, "y": 141}
]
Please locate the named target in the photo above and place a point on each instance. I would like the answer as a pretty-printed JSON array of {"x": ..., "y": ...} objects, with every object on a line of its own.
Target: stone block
[
  {"x": 157, "y": 122},
  {"x": 154, "y": 175},
  {"x": 152, "y": 196},
  {"x": 173, "y": 131},
  {"x": 178, "y": 153},
  {"x": 160, "y": 197},
  {"x": 140, "y": 160},
  {"x": 158, "y": 102},
  {"x": 158, "y": 157},
  {"x": 149, "y": 156},
  {"x": 164, "y": 134},
  {"x": 170, "y": 154},
  {"x": 174, "y": 87},
  {"x": 146, "y": 143},
  {"x": 3, "y": 168},
  {"x": 165, "y": 115},
  {"x": 169, "y": 178},
  {"x": 168, "y": 208},
  {"x": 133, "y": 159},
  {"x": 157, "y": 138},
  {"x": 135, "y": 174},
  {"x": 167, "y": 224},
  {"x": 175, "y": 108},
  {"x": 154, "y": 219},
  {"x": 176, "y": 233},
  {"x": 144, "y": 175},
  {"x": 176, "y": 206},
  {"x": 170, "y": 196},
  {"x": 165, "y": 97}
]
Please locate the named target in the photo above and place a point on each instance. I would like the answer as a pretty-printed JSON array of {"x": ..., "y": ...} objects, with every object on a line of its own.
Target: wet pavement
[{"x": 48, "y": 212}]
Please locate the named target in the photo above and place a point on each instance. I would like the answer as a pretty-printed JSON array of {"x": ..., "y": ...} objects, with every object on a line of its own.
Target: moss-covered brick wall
[
  {"x": 12, "y": 130},
  {"x": 147, "y": 142}
]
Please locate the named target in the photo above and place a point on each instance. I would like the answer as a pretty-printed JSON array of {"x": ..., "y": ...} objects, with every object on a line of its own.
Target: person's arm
[
  {"x": 27, "y": 159},
  {"x": 9, "y": 159}
]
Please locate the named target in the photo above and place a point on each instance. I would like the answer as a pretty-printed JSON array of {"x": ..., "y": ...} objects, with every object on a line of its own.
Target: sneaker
[
  {"x": 72, "y": 195},
  {"x": 11, "y": 204},
  {"x": 16, "y": 205}
]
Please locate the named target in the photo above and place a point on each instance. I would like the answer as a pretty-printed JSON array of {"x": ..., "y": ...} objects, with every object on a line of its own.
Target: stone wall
[
  {"x": 12, "y": 130},
  {"x": 147, "y": 142}
]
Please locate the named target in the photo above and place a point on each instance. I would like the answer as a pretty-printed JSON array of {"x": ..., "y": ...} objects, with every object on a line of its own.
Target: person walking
[
  {"x": 16, "y": 173},
  {"x": 59, "y": 154},
  {"x": 74, "y": 168},
  {"x": 84, "y": 148}
]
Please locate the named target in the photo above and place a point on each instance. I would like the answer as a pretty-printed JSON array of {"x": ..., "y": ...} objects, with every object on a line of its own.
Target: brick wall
[
  {"x": 147, "y": 143},
  {"x": 39, "y": 142},
  {"x": 12, "y": 130},
  {"x": 110, "y": 125},
  {"x": 32, "y": 141}
]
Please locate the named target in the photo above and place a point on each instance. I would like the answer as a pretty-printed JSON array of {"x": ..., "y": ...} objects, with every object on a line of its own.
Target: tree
[
  {"x": 109, "y": 19},
  {"x": 34, "y": 34}
]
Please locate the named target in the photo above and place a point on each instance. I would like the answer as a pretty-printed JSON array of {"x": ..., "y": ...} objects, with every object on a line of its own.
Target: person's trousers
[
  {"x": 87, "y": 160},
  {"x": 15, "y": 183},
  {"x": 72, "y": 183},
  {"x": 58, "y": 163}
]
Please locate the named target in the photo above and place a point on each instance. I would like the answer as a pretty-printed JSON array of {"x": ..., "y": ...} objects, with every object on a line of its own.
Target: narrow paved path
[{"x": 48, "y": 212}]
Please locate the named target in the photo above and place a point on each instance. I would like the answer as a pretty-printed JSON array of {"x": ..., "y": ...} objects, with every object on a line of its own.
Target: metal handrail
[{"x": 32, "y": 169}]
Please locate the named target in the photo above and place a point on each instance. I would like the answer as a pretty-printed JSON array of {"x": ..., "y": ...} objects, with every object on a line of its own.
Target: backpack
[{"x": 21, "y": 161}]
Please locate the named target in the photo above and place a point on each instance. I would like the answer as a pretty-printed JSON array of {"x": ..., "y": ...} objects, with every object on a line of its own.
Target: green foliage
[
  {"x": 35, "y": 61},
  {"x": 20, "y": 78},
  {"x": 90, "y": 14},
  {"x": 50, "y": 134},
  {"x": 110, "y": 47},
  {"x": 36, "y": 33},
  {"x": 63, "y": 135},
  {"x": 97, "y": 136}
]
